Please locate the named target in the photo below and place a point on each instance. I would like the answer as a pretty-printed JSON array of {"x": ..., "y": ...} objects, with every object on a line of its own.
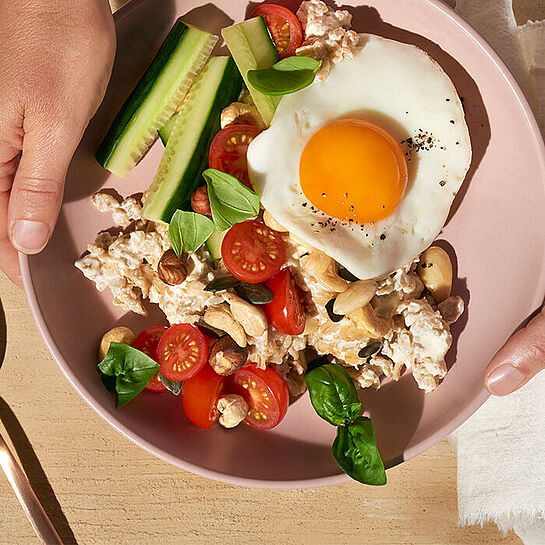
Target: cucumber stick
[
  {"x": 186, "y": 153},
  {"x": 164, "y": 133},
  {"x": 155, "y": 98},
  {"x": 252, "y": 48},
  {"x": 213, "y": 244}
]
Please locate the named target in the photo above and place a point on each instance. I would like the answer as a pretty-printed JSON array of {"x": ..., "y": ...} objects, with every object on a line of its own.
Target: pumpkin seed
[
  {"x": 345, "y": 274},
  {"x": 223, "y": 283},
  {"x": 332, "y": 316},
  {"x": 173, "y": 386},
  {"x": 257, "y": 294},
  {"x": 369, "y": 350}
]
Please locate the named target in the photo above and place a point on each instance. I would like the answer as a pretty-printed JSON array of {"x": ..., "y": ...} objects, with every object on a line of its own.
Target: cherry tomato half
[
  {"x": 266, "y": 393},
  {"x": 252, "y": 252},
  {"x": 286, "y": 312},
  {"x": 284, "y": 28},
  {"x": 228, "y": 151},
  {"x": 182, "y": 352},
  {"x": 147, "y": 342},
  {"x": 200, "y": 396}
]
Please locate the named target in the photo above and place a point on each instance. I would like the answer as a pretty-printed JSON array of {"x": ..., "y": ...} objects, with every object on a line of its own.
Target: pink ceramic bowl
[{"x": 496, "y": 232}]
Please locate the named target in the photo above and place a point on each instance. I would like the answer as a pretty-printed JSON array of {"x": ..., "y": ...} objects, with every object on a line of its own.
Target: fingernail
[
  {"x": 29, "y": 236},
  {"x": 504, "y": 380}
]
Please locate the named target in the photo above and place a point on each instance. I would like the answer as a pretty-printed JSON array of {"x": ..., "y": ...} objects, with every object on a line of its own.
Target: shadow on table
[{"x": 34, "y": 470}]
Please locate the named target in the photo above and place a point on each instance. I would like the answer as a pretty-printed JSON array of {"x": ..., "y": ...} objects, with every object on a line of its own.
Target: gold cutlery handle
[{"x": 26, "y": 496}]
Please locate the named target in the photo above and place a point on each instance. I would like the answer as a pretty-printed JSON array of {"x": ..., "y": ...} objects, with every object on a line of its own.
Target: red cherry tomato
[
  {"x": 200, "y": 395},
  {"x": 266, "y": 393},
  {"x": 252, "y": 252},
  {"x": 286, "y": 312},
  {"x": 228, "y": 151},
  {"x": 147, "y": 342},
  {"x": 284, "y": 28},
  {"x": 182, "y": 352}
]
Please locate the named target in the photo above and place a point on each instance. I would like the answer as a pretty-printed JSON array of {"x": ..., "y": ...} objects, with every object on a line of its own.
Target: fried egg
[{"x": 365, "y": 165}]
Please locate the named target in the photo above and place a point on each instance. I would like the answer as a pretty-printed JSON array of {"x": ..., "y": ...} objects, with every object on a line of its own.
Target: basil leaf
[
  {"x": 332, "y": 394},
  {"x": 230, "y": 201},
  {"x": 188, "y": 231},
  {"x": 131, "y": 369},
  {"x": 285, "y": 77},
  {"x": 355, "y": 450},
  {"x": 173, "y": 386}
]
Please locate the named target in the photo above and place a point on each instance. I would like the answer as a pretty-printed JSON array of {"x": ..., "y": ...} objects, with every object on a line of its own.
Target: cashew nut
[
  {"x": 357, "y": 295},
  {"x": 221, "y": 318},
  {"x": 369, "y": 323},
  {"x": 120, "y": 334},
  {"x": 435, "y": 270},
  {"x": 233, "y": 410},
  {"x": 324, "y": 269},
  {"x": 269, "y": 221},
  {"x": 239, "y": 113},
  {"x": 251, "y": 318}
]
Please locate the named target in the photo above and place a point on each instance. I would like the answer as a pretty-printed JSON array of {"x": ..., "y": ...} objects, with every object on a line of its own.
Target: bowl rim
[{"x": 420, "y": 447}]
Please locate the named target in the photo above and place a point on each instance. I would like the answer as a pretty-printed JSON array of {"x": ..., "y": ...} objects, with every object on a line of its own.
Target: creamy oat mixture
[
  {"x": 417, "y": 337},
  {"x": 328, "y": 37}
]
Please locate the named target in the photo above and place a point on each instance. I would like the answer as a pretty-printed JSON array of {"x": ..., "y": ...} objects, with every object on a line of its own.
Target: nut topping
[
  {"x": 226, "y": 356},
  {"x": 200, "y": 201},
  {"x": 119, "y": 334},
  {"x": 171, "y": 269}
]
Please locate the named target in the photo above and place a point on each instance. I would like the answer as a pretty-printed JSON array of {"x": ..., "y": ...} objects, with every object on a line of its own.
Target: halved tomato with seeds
[
  {"x": 228, "y": 151},
  {"x": 252, "y": 252},
  {"x": 182, "y": 352},
  {"x": 284, "y": 28},
  {"x": 147, "y": 342},
  {"x": 266, "y": 393}
]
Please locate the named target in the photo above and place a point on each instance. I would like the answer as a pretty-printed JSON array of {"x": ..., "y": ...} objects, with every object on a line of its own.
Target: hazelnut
[
  {"x": 119, "y": 334},
  {"x": 200, "y": 201},
  {"x": 171, "y": 269},
  {"x": 226, "y": 356}
]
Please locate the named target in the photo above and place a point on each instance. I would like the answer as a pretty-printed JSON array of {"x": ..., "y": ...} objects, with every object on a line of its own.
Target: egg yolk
[{"x": 353, "y": 170}]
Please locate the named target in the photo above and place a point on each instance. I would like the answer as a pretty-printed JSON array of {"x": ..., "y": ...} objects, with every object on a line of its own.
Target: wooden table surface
[{"x": 101, "y": 489}]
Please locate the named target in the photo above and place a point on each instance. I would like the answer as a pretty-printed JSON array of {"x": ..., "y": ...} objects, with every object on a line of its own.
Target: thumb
[
  {"x": 520, "y": 359},
  {"x": 38, "y": 186}
]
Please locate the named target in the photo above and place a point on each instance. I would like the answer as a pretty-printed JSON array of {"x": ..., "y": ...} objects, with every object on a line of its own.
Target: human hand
[
  {"x": 56, "y": 57},
  {"x": 519, "y": 360}
]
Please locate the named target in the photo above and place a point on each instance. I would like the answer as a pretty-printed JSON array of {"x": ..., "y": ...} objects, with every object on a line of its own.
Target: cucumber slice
[
  {"x": 155, "y": 98},
  {"x": 186, "y": 154},
  {"x": 213, "y": 244},
  {"x": 164, "y": 133},
  {"x": 252, "y": 48}
]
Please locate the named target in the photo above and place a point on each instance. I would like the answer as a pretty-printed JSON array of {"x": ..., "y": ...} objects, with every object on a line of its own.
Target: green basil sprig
[
  {"x": 333, "y": 394},
  {"x": 355, "y": 450},
  {"x": 126, "y": 371},
  {"x": 188, "y": 231},
  {"x": 334, "y": 397},
  {"x": 286, "y": 76},
  {"x": 230, "y": 201}
]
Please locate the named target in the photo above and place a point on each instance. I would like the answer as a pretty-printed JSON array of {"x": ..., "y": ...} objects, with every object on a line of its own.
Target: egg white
[{"x": 399, "y": 87}]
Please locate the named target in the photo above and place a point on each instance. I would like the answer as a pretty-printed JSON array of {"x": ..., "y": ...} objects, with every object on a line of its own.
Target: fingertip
[
  {"x": 504, "y": 380},
  {"x": 29, "y": 236}
]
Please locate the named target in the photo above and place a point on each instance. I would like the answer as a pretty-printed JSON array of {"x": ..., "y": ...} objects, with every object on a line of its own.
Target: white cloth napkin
[{"x": 501, "y": 449}]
